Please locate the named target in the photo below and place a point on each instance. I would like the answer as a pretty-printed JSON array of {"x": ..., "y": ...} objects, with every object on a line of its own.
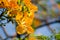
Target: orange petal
[
  {"x": 30, "y": 30},
  {"x": 32, "y": 38},
  {"x": 20, "y": 29},
  {"x": 19, "y": 15}
]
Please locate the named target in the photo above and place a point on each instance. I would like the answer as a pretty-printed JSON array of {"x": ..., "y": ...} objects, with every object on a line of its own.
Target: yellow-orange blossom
[{"x": 24, "y": 17}]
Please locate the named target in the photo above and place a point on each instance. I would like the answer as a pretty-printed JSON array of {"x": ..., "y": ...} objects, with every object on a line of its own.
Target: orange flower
[
  {"x": 26, "y": 21},
  {"x": 32, "y": 38},
  {"x": 23, "y": 19},
  {"x": 13, "y": 5},
  {"x": 19, "y": 16},
  {"x": 20, "y": 29},
  {"x": 33, "y": 8},
  {"x": 0, "y": 1},
  {"x": 10, "y": 3},
  {"x": 1, "y": 5},
  {"x": 59, "y": 6},
  {"x": 30, "y": 5},
  {"x": 25, "y": 14},
  {"x": 30, "y": 30},
  {"x": 6, "y": 2},
  {"x": 12, "y": 13},
  {"x": 27, "y": 2},
  {"x": 31, "y": 14},
  {"x": 24, "y": 28},
  {"x": 37, "y": 22}
]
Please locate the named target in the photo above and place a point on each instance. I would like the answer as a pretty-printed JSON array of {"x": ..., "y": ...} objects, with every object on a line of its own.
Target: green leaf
[
  {"x": 43, "y": 37},
  {"x": 57, "y": 36},
  {"x": 20, "y": 39},
  {"x": 19, "y": 2},
  {"x": 33, "y": 25},
  {"x": 26, "y": 38}
]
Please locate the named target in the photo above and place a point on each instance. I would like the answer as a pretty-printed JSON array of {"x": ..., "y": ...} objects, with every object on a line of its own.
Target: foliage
[
  {"x": 57, "y": 36},
  {"x": 43, "y": 37}
]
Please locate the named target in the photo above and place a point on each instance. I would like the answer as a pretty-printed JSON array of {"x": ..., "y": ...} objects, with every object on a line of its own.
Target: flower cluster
[{"x": 22, "y": 11}]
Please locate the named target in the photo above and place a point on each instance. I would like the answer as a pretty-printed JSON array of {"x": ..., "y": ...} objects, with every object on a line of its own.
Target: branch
[
  {"x": 1, "y": 38},
  {"x": 57, "y": 21}
]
